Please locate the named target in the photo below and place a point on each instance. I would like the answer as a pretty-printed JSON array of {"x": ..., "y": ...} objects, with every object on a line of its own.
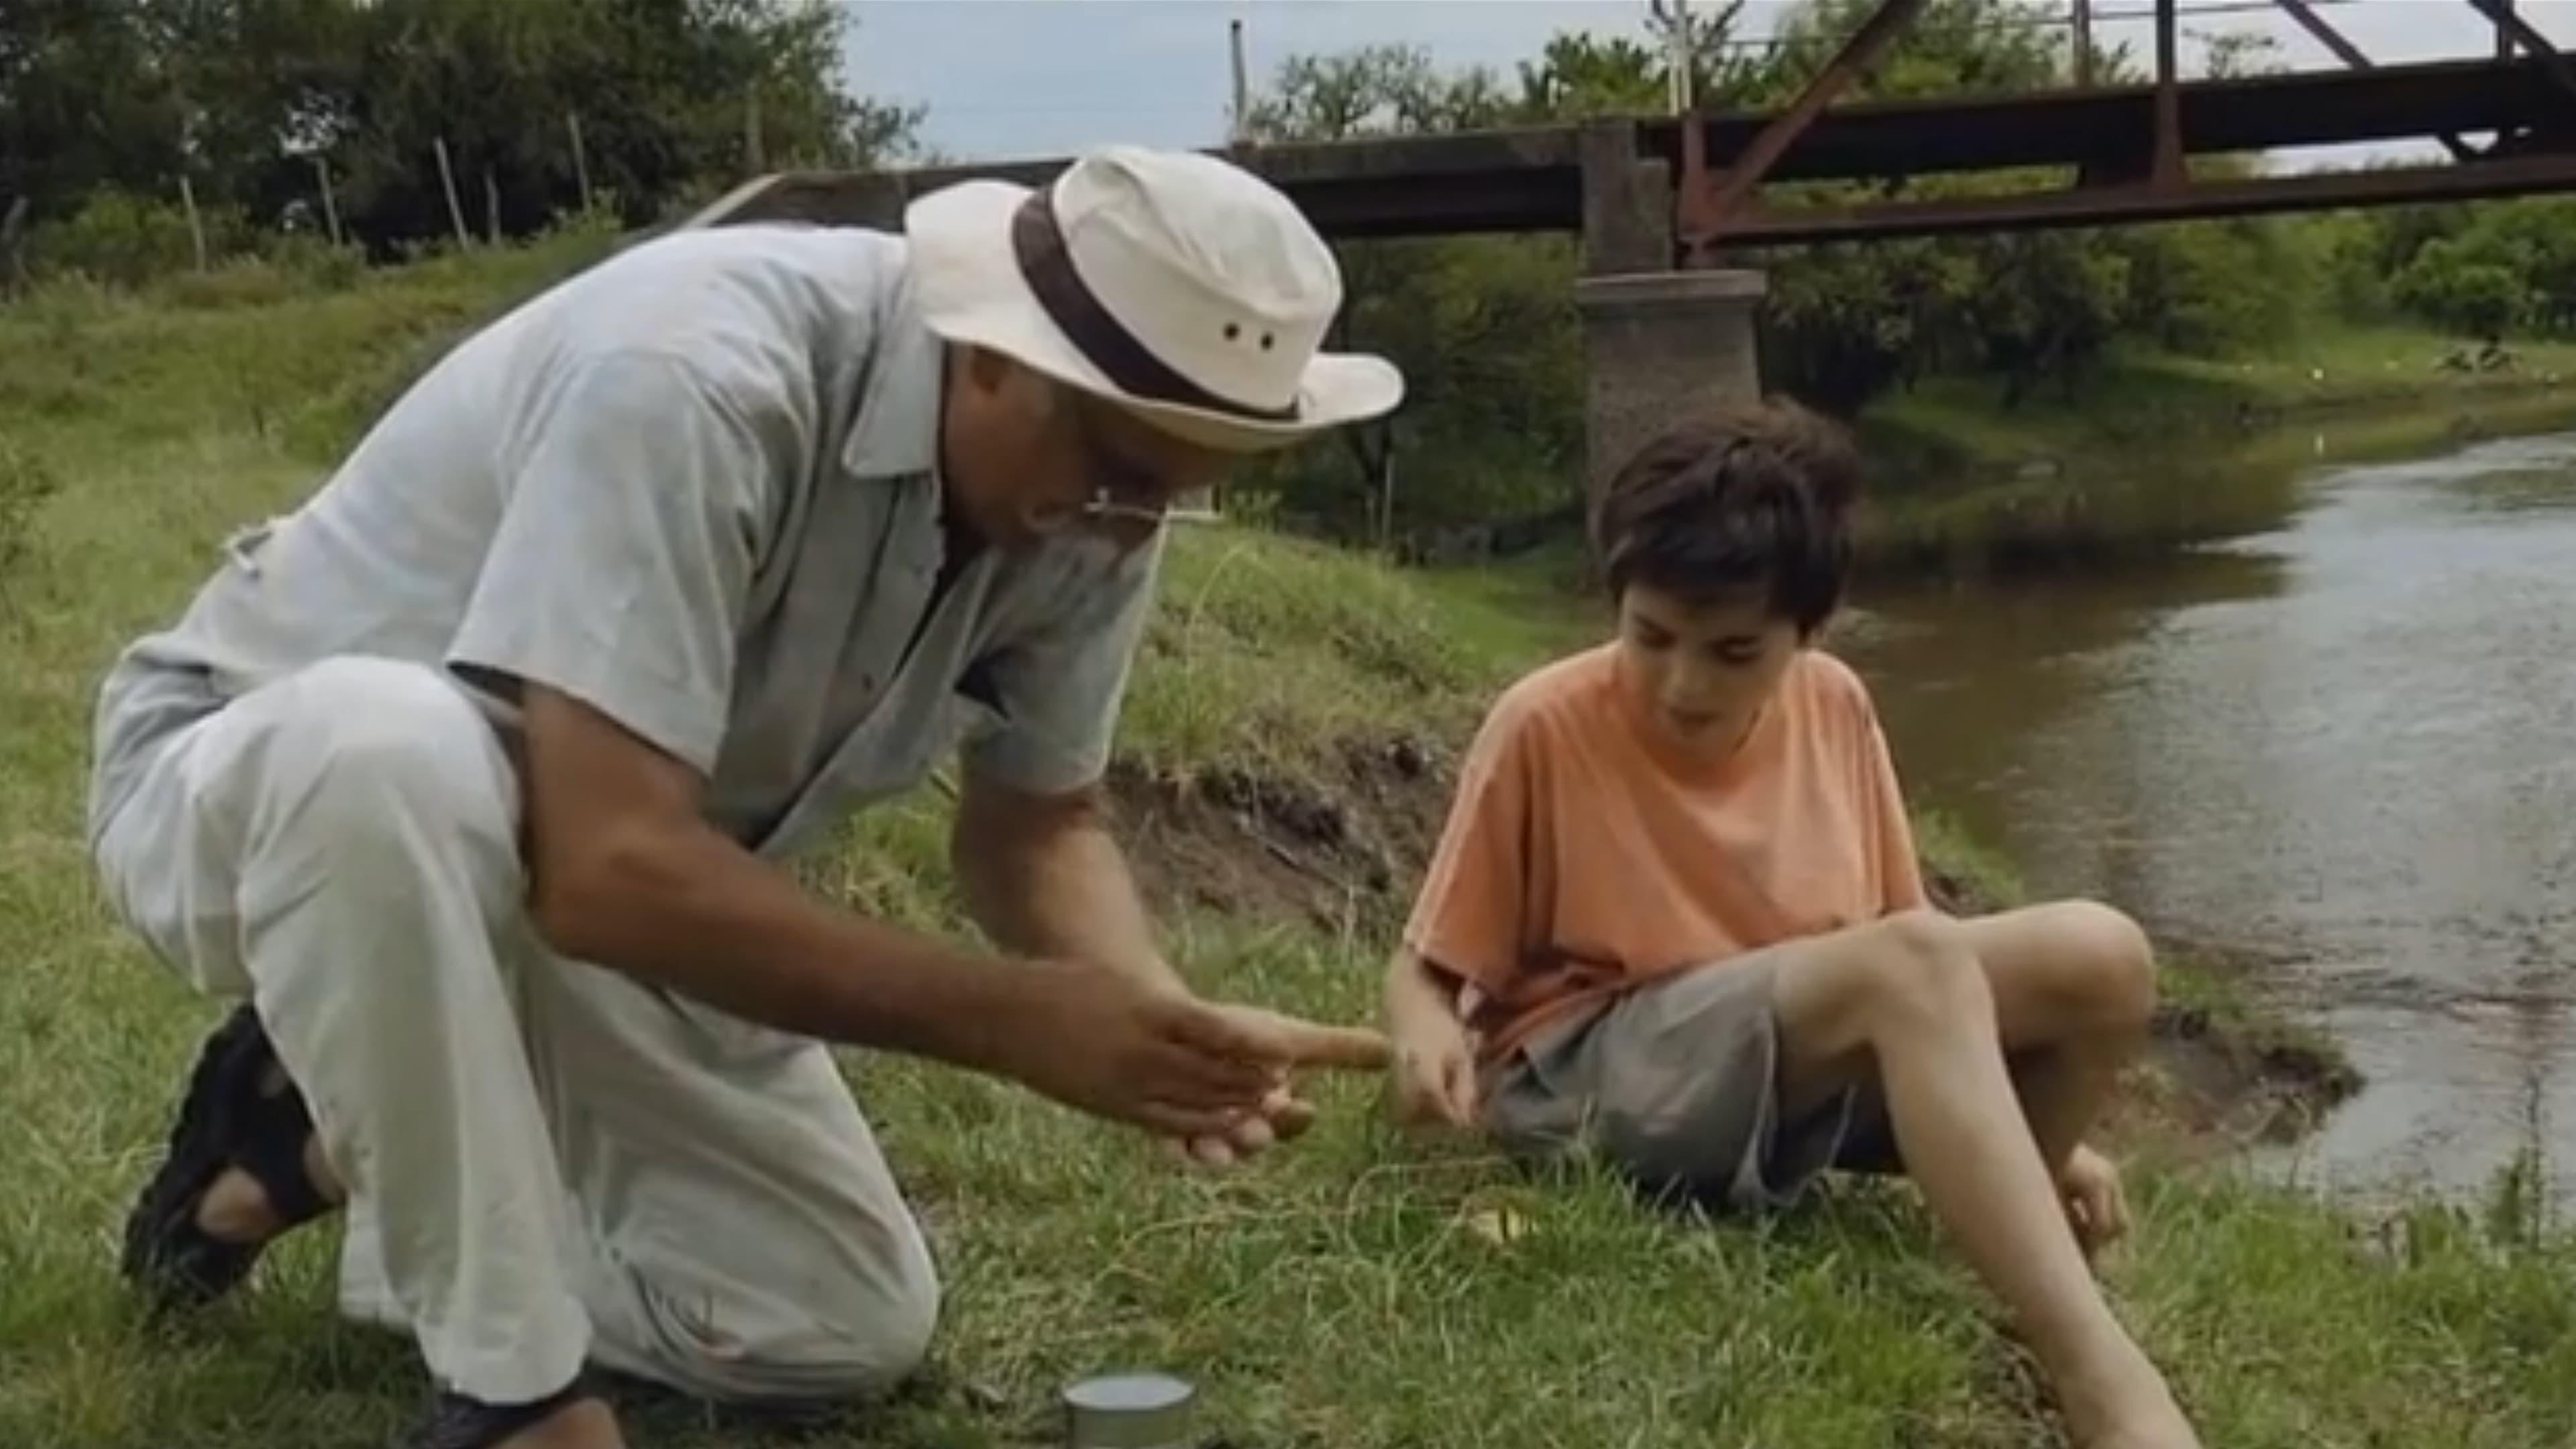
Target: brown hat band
[{"x": 1047, "y": 264}]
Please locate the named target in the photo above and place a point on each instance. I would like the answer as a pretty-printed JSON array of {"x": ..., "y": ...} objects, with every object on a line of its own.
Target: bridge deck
[{"x": 1532, "y": 179}]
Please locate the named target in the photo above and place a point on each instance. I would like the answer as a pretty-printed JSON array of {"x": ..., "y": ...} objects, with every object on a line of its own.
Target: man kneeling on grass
[
  {"x": 1676, "y": 913},
  {"x": 472, "y": 780}
]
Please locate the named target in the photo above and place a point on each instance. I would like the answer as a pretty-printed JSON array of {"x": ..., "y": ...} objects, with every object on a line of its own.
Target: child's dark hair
[{"x": 1734, "y": 498}]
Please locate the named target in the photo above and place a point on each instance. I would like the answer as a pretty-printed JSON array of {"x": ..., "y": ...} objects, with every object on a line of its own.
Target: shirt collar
[{"x": 896, "y": 429}]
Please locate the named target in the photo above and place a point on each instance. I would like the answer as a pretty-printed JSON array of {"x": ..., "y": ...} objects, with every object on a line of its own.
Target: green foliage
[
  {"x": 2051, "y": 302},
  {"x": 1484, "y": 329},
  {"x": 120, "y": 237},
  {"x": 2222, "y": 288},
  {"x": 26, "y": 483},
  {"x": 2449, "y": 286},
  {"x": 1843, "y": 323},
  {"x": 675, "y": 98},
  {"x": 2485, "y": 270},
  {"x": 1952, "y": 47}
]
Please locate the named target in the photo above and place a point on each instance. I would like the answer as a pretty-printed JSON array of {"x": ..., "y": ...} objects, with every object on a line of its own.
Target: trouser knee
[{"x": 834, "y": 1335}]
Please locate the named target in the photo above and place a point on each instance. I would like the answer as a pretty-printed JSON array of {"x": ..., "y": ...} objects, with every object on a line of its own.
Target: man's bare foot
[
  {"x": 235, "y": 1208},
  {"x": 586, "y": 1424}
]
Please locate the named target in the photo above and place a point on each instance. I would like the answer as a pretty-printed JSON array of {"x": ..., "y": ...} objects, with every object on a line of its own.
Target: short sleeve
[
  {"x": 1898, "y": 869},
  {"x": 1467, "y": 916},
  {"x": 640, "y": 502},
  {"x": 1056, "y": 693}
]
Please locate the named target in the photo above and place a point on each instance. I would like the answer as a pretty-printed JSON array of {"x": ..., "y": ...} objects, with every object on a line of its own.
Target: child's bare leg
[
  {"x": 1910, "y": 996},
  {"x": 2074, "y": 989}
]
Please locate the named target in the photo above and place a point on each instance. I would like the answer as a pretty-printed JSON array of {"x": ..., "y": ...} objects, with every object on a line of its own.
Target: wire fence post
[
  {"x": 196, "y": 224},
  {"x": 447, "y": 179},
  {"x": 580, "y": 159},
  {"x": 330, "y": 205}
]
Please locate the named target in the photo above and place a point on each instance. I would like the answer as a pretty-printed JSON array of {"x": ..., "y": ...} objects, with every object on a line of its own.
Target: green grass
[{"x": 1336, "y": 1294}]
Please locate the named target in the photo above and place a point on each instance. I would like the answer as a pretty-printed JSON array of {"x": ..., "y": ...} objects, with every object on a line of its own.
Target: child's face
[{"x": 1703, "y": 671}]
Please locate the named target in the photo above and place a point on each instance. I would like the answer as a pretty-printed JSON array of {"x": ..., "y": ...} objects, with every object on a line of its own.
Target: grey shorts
[{"x": 1676, "y": 1084}]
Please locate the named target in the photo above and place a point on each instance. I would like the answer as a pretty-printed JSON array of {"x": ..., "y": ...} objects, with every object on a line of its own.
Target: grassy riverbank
[
  {"x": 1290, "y": 729},
  {"x": 2150, "y": 450}
]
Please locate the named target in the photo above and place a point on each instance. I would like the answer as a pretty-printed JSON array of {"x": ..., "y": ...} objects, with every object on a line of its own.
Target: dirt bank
[{"x": 1340, "y": 847}]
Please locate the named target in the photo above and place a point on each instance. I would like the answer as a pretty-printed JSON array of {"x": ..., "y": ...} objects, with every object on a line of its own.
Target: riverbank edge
[{"x": 2079, "y": 475}]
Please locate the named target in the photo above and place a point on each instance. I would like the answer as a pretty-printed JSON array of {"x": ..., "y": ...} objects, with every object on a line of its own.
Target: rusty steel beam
[
  {"x": 1705, "y": 207},
  {"x": 2529, "y": 37},
  {"x": 2353, "y": 56},
  {"x": 2073, "y": 128},
  {"x": 2331, "y": 38},
  {"x": 2130, "y": 205},
  {"x": 1531, "y": 179}
]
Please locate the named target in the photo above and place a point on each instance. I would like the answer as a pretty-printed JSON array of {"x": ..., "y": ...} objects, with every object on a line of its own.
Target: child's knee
[{"x": 2118, "y": 962}]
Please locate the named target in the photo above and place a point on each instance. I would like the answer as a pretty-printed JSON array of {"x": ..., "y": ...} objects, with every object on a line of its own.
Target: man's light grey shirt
[{"x": 695, "y": 487}]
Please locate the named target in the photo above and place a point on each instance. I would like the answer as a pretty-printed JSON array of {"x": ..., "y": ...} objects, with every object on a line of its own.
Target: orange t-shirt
[{"x": 1584, "y": 855}]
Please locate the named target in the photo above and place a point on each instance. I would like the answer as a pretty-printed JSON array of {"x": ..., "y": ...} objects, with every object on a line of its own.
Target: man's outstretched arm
[
  {"x": 1042, "y": 874},
  {"x": 626, "y": 874}
]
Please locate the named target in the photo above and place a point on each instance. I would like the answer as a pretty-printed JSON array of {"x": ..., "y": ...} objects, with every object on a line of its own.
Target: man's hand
[
  {"x": 2096, "y": 1206},
  {"x": 1282, "y": 1117},
  {"x": 1098, "y": 1039}
]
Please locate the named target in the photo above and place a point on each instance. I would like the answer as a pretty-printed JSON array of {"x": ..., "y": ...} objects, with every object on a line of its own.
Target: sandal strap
[
  {"x": 225, "y": 1120},
  {"x": 457, "y": 1421}
]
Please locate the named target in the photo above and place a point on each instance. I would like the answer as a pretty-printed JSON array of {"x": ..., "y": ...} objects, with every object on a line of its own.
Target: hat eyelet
[
  {"x": 1233, "y": 330},
  {"x": 1267, "y": 339}
]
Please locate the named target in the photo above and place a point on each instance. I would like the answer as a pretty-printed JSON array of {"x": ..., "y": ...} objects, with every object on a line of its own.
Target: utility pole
[
  {"x": 1242, "y": 127},
  {"x": 1678, "y": 34},
  {"x": 2083, "y": 42}
]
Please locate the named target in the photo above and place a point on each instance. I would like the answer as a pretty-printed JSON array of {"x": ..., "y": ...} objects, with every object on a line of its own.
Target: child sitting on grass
[{"x": 1676, "y": 915}]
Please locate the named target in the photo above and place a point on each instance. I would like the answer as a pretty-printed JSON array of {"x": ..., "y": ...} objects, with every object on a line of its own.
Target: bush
[
  {"x": 25, "y": 484},
  {"x": 2449, "y": 288},
  {"x": 127, "y": 240}
]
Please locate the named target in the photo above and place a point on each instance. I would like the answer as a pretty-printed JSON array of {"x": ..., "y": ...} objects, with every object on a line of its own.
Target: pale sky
[{"x": 1040, "y": 78}]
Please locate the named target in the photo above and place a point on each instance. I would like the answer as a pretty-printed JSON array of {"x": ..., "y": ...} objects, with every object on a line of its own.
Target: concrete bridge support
[{"x": 1657, "y": 340}]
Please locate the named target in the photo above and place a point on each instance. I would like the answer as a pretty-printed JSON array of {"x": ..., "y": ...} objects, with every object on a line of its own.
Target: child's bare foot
[
  {"x": 2178, "y": 1435},
  {"x": 2136, "y": 1410}
]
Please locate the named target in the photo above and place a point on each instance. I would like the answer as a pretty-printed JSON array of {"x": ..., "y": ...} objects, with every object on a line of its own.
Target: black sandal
[
  {"x": 241, "y": 1111},
  {"x": 457, "y": 1422}
]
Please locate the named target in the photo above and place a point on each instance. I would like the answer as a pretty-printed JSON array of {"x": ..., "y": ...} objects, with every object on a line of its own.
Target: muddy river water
[{"x": 2344, "y": 745}]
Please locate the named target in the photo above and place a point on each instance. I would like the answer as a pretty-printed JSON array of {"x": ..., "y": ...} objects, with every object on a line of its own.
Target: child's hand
[
  {"x": 1435, "y": 1071},
  {"x": 2096, "y": 1206}
]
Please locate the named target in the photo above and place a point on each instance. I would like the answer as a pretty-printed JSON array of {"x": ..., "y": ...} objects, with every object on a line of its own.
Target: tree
[
  {"x": 1484, "y": 328},
  {"x": 675, "y": 97},
  {"x": 83, "y": 101}
]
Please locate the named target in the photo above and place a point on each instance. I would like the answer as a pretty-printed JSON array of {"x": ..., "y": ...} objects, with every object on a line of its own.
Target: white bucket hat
[{"x": 1179, "y": 287}]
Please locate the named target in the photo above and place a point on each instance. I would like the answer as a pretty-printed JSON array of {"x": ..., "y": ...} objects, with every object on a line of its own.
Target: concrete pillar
[
  {"x": 1656, "y": 344},
  {"x": 1627, "y": 203}
]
